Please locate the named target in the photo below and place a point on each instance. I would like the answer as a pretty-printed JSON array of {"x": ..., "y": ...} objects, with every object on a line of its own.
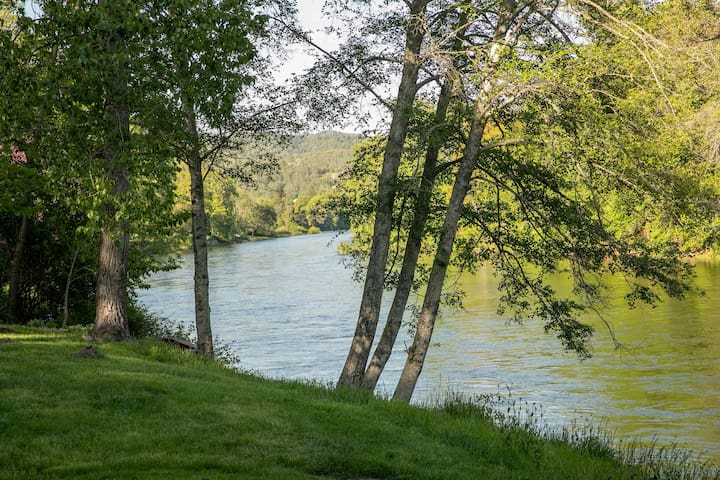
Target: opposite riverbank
[{"x": 147, "y": 410}]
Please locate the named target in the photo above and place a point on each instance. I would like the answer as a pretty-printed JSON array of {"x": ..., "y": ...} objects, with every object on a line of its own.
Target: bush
[{"x": 145, "y": 324}]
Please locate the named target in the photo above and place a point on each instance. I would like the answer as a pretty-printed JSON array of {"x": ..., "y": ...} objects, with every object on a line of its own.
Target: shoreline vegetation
[
  {"x": 212, "y": 241},
  {"x": 146, "y": 409}
]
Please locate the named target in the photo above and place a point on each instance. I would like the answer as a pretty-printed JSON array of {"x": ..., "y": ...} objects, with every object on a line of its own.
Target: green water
[
  {"x": 663, "y": 383},
  {"x": 287, "y": 308}
]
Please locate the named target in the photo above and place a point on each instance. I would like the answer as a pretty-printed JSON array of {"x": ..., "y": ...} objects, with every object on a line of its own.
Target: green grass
[{"x": 147, "y": 410}]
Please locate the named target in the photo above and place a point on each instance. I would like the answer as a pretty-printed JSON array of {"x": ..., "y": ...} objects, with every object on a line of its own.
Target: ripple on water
[{"x": 287, "y": 308}]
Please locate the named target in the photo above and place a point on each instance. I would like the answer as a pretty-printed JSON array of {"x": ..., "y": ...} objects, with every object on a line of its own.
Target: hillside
[
  {"x": 146, "y": 410},
  {"x": 296, "y": 198},
  {"x": 311, "y": 164}
]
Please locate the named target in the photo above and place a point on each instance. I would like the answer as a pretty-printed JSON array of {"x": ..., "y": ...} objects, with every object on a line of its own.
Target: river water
[{"x": 287, "y": 309}]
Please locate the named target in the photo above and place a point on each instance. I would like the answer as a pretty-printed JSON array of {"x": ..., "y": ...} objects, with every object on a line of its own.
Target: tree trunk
[
  {"x": 16, "y": 270},
  {"x": 112, "y": 277},
  {"x": 111, "y": 320},
  {"x": 68, "y": 282},
  {"x": 200, "y": 255},
  {"x": 383, "y": 351},
  {"x": 431, "y": 303},
  {"x": 428, "y": 315},
  {"x": 111, "y": 291},
  {"x": 354, "y": 368},
  {"x": 201, "y": 281}
]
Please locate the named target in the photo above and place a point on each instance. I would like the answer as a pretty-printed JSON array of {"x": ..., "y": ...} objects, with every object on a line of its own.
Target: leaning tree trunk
[
  {"x": 111, "y": 320},
  {"x": 428, "y": 314},
  {"x": 354, "y": 368},
  {"x": 16, "y": 270},
  {"x": 383, "y": 351}
]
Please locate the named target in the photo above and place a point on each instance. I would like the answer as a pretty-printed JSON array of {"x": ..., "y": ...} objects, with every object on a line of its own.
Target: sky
[
  {"x": 312, "y": 19},
  {"x": 310, "y": 15}
]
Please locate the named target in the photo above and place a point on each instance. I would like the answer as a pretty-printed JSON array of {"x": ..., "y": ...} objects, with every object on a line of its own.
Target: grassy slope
[{"x": 147, "y": 410}]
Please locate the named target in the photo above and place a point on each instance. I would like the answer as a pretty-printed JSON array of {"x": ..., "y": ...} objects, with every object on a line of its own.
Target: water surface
[{"x": 287, "y": 308}]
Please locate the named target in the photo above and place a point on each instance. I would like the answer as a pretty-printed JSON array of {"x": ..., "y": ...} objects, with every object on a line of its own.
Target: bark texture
[
  {"x": 14, "y": 294},
  {"x": 202, "y": 278},
  {"x": 203, "y": 326},
  {"x": 431, "y": 302},
  {"x": 383, "y": 351},
  {"x": 111, "y": 319},
  {"x": 354, "y": 368},
  {"x": 111, "y": 290}
]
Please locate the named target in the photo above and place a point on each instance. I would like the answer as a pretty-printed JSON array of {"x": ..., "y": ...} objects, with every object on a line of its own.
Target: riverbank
[
  {"x": 249, "y": 237},
  {"x": 144, "y": 409}
]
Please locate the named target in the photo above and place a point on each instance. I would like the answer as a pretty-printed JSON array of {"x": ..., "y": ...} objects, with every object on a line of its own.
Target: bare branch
[{"x": 303, "y": 36}]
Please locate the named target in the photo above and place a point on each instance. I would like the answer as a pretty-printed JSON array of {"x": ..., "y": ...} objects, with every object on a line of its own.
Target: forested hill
[
  {"x": 311, "y": 164},
  {"x": 294, "y": 200}
]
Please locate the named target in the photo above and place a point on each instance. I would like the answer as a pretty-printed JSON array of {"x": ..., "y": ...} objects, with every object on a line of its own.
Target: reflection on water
[{"x": 287, "y": 308}]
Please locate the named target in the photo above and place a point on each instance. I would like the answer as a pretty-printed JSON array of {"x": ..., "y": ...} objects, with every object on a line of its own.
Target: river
[{"x": 287, "y": 309}]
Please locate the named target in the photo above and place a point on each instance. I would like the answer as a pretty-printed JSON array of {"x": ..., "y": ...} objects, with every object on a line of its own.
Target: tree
[
  {"x": 508, "y": 24},
  {"x": 354, "y": 369},
  {"x": 204, "y": 52},
  {"x": 438, "y": 135},
  {"x": 73, "y": 70},
  {"x": 111, "y": 318},
  {"x": 552, "y": 138}
]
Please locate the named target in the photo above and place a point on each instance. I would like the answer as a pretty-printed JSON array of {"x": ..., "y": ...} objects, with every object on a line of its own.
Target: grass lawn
[{"x": 148, "y": 410}]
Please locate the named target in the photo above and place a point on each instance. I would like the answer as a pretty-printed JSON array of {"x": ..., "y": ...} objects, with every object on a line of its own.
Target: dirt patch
[{"x": 88, "y": 352}]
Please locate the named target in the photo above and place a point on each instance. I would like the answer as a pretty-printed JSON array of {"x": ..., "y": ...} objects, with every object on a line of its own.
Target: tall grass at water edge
[{"x": 514, "y": 415}]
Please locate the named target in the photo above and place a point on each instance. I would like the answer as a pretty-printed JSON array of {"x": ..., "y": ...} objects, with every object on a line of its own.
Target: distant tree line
[{"x": 300, "y": 197}]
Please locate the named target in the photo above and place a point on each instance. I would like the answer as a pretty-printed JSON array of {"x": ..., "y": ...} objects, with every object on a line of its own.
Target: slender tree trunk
[
  {"x": 203, "y": 325},
  {"x": 16, "y": 270},
  {"x": 354, "y": 368},
  {"x": 428, "y": 315},
  {"x": 200, "y": 255},
  {"x": 383, "y": 351},
  {"x": 68, "y": 282},
  {"x": 111, "y": 319},
  {"x": 426, "y": 321}
]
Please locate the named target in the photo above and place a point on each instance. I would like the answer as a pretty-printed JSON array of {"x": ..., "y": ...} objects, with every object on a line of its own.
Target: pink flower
[{"x": 16, "y": 156}]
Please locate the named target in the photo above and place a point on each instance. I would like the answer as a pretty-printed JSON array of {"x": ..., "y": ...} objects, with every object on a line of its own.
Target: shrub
[{"x": 143, "y": 324}]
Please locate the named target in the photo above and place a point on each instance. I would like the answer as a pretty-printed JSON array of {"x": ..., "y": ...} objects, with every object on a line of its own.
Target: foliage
[
  {"x": 54, "y": 111},
  {"x": 298, "y": 197},
  {"x": 146, "y": 324},
  {"x": 587, "y": 166}
]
